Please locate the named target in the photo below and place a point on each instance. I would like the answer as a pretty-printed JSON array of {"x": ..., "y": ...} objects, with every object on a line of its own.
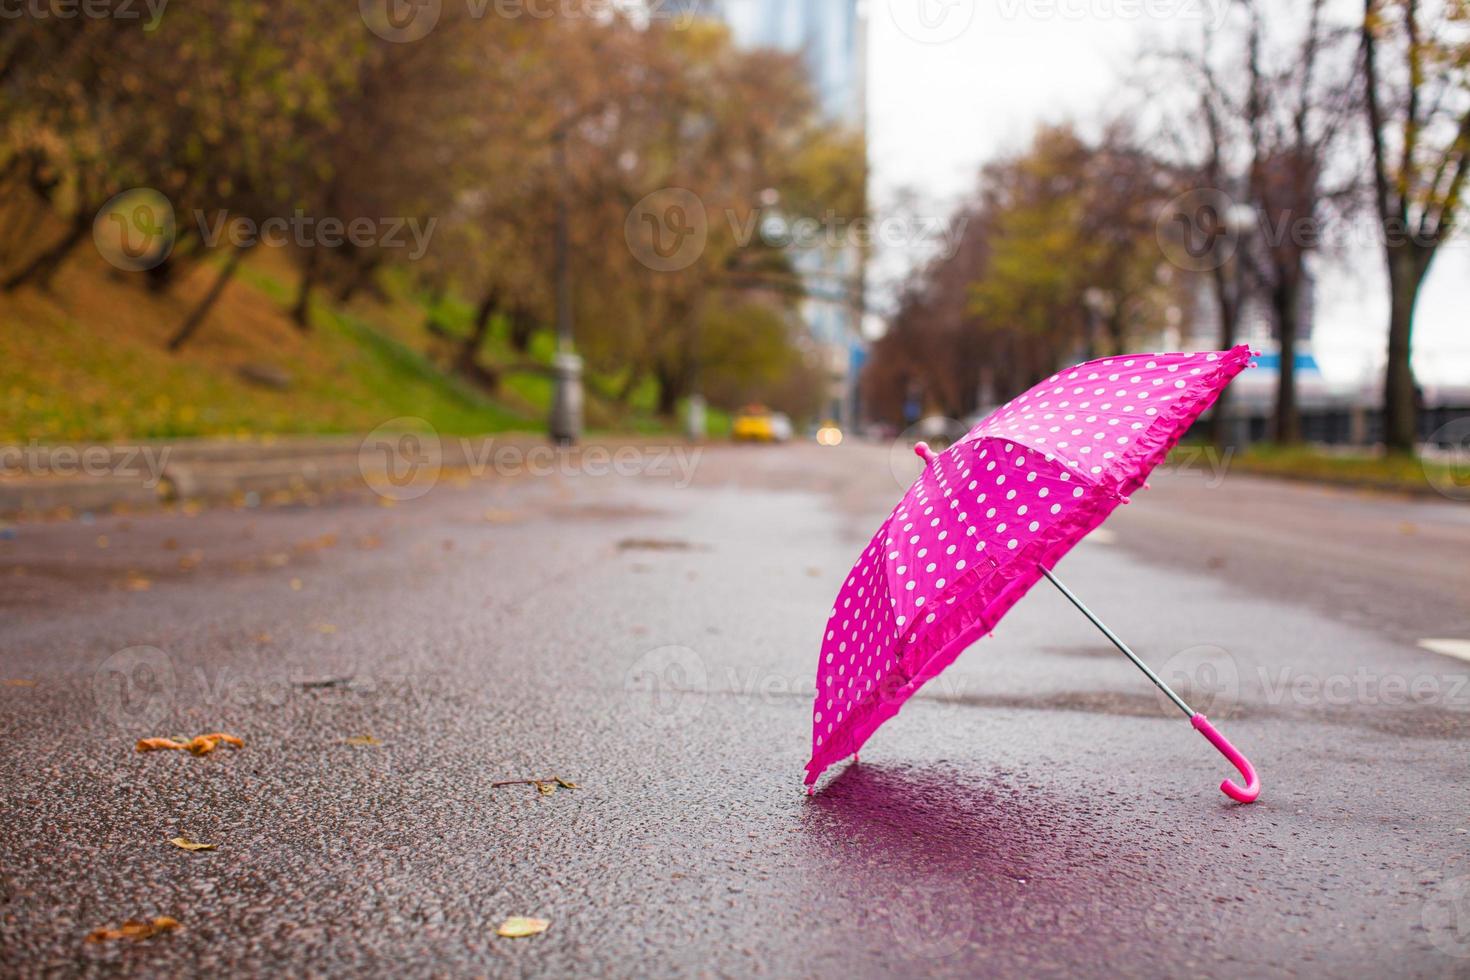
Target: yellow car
[{"x": 753, "y": 424}]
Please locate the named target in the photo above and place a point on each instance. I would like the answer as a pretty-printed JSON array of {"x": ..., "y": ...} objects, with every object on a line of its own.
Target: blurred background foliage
[{"x": 240, "y": 109}]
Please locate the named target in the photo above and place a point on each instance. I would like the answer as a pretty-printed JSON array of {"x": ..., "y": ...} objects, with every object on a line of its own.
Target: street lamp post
[{"x": 565, "y": 424}]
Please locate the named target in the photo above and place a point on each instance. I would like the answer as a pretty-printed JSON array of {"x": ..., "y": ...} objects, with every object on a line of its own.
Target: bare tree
[
  {"x": 1296, "y": 111},
  {"x": 1418, "y": 113}
]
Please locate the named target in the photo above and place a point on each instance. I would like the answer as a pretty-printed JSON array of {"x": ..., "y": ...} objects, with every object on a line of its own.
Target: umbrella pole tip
[{"x": 1240, "y": 794}]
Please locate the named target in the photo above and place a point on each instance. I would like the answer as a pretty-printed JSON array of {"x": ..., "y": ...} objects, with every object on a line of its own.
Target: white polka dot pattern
[{"x": 1019, "y": 490}]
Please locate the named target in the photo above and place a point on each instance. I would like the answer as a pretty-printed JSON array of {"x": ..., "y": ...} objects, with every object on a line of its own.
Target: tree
[
  {"x": 1297, "y": 105},
  {"x": 1417, "y": 104}
]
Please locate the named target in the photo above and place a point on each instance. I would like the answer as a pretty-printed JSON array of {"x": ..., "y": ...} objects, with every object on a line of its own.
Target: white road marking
[{"x": 1450, "y": 648}]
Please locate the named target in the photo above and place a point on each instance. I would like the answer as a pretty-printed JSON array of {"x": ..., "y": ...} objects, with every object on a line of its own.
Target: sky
[{"x": 953, "y": 83}]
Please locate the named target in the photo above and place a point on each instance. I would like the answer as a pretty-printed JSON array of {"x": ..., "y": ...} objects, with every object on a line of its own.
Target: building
[{"x": 831, "y": 37}]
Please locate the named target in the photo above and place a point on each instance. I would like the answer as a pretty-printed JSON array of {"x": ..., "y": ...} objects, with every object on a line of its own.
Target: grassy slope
[
  {"x": 87, "y": 361},
  {"x": 1404, "y": 474}
]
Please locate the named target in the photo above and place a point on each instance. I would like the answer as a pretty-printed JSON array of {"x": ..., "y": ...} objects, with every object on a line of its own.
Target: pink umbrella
[{"x": 989, "y": 517}]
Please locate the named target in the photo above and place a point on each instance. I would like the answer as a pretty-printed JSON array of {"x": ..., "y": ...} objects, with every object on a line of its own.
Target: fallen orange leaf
[
  {"x": 199, "y": 745},
  {"x": 157, "y": 744},
  {"x": 135, "y": 929}
]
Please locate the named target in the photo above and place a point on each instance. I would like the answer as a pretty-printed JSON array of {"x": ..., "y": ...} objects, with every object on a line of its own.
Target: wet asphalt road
[{"x": 1039, "y": 810}]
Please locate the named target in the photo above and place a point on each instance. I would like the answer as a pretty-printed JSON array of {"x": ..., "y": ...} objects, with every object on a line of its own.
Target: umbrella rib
[{"x": 1117, "y": 642}]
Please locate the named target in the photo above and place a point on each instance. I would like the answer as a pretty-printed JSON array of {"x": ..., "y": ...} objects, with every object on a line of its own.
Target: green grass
[
  {"x": 1392, "y": 471},
  {"x": 88, "y": 362}
]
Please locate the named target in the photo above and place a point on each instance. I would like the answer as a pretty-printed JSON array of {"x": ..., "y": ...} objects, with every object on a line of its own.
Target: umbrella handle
[{"x": 1252, "y": 787}]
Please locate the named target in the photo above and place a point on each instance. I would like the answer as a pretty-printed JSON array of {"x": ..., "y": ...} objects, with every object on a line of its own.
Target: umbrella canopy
[{"x": 985, "y": 520}]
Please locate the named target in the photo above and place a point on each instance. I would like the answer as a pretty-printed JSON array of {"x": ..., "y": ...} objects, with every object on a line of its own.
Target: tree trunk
[
  {"x": 470, "y": 349},
  {"x": 1400, "y": 406},
  {"x": 43, "y": 267},
  {"x": 195, "y": 319},
  {"x": 670, "y": 389},
  {"x": 361, "y": 277},
  {"x": 1229, "y": 304},
  {"x": 522, "y": 326},
  {"x": 1285, "y": 299},
  {"x": 301, "y": 312}
]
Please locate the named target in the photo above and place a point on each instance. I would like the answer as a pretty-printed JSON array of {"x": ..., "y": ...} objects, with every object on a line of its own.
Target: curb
[{"x": 153, "y": 473}]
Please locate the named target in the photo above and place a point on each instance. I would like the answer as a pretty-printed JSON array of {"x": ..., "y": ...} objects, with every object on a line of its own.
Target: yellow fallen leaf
[
  {"x": 158, "y": 744},
  {"x": 543, "y": 786},
  {"x": 362, "y": 740},
  {"x": 135, "y": 929},
  {"x": 199, "y": 745},
  {"x": 19, "y": 682},
  {"x": 296, "y": 585},
  {"x": 137, "y": 583},
  {"x": 205, "y": 744},
  {"x": 190, "y": 845},
  {"x": 326, "y": 628},
  {"x": 517, "y": 927}
]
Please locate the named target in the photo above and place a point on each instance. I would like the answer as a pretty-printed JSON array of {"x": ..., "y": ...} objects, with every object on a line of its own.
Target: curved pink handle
[
  {"x": 1252, "y": 788},
  {"x": 922, "y": 450}
]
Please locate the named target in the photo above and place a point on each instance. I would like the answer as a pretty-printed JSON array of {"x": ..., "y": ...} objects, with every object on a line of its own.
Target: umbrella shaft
[{"x": 1137, "y": 662}]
